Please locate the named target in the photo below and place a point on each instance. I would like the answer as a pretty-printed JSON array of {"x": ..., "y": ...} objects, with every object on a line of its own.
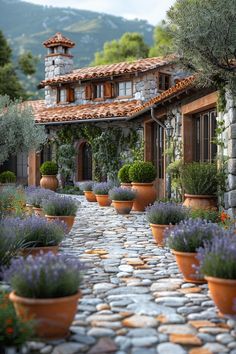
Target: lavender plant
[
  {"x": 37, "y": 196},
  {"x": 60, "y": 206},
  {"x": 218, "y": 257},
  {"x": 45, "y": 276},
  {"x": 118, "y": 193},
  {"x": 86, "y": 186},
  {"x": 166, "y": 213},
  {"x": 102, "y": 188},
  {"x": 191, "y": 234}
]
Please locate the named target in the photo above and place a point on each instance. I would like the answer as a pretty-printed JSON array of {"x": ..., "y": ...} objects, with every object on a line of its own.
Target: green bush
[
  {"x": 7, "y": 177},
  {"x": 49, "y": 168},
  {"x": 123, "y": 174},
  {"x": 142, "y": 172},
  {"x": 199, "y": 178},
  {"x": 205, "y": 214}
]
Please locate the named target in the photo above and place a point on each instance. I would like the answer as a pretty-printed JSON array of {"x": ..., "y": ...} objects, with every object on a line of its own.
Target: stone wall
[{"x": 58, "y": 65}]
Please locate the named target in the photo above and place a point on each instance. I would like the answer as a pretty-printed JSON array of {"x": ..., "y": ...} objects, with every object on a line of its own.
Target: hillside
[{"x": 27, "y": 25}]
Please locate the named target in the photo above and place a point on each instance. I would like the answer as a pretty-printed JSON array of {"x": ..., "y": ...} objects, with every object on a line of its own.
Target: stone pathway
[{"x": 134, "y": 298}]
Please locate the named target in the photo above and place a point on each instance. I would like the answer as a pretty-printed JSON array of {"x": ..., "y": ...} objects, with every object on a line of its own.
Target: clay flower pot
[
  {"x": 38, "y": 211},
  {"x": 126, "y": 185},
  {"x": 49, "y": 182},
  {"x": 123, "y": 206},
  {"x": 200, "y": 201},
  {"x": 90, "y": 196},
  {"x": 186, "y": 263},
  {"x": 146, "y": 194},
  {"x": 103, "y": 200},
  {"x": 223, "y": 292},
  {"x": 68, "y": 220},
  {"x": 53, "y": 316},
  {"x": 158, "y": 233},
  {"x": 35, "y": 251}
]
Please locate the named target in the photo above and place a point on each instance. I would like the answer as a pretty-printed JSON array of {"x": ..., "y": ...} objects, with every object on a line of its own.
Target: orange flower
[
  {"x": 9, "y": 330},
  {"x": 224, "y": 216},
  {"x": 9, "y": 321}
]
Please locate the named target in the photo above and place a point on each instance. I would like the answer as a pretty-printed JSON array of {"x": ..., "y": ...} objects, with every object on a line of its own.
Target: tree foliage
[
  {"x": 205, "y": 38},
  {"x": 18, "y": 130},
  {"x": 130, "y": 46},
  {"x": 163, "y": 40}
]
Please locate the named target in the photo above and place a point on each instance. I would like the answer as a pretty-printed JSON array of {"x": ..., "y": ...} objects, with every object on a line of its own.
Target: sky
[{"x": 151, "y": 10}]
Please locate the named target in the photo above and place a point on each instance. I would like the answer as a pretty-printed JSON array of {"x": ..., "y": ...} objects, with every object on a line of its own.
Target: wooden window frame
[
  {"x": 70, "y": 95},
  {"x": 117, "y": 89},
  {"x": 161, "y": 74}
]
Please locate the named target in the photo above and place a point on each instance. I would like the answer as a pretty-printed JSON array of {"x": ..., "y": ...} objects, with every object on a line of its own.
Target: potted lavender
[
  {"x": 161, "y": 215},
  {"x": 36, "y": 197},
  {"x": 87, "y": 188},
  {"x": 184, "y": 239},
  {"x": 46, "y": 288},
  {"x": 218, "y": 264},
  {"x": 101, "y": 190},
  {"x": 122, "y": 199},
  {"x": 61, "y": 208}
]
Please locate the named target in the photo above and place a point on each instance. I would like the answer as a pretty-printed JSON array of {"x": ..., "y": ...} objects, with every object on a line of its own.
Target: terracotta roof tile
[
  {"x": 59, "y": 39},
  {"x": 108, "y": 70}
]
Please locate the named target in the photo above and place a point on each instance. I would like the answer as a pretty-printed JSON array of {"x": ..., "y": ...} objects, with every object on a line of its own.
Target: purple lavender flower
[
  {"x": 86, "y": 186},
  {"x": 35, "y": 196},
  {"x": 118, "y": 193},
  {"x": 60, "y": 206},
  {"x": 166, "y": 213},
  {"x": 102, "y": 188}
]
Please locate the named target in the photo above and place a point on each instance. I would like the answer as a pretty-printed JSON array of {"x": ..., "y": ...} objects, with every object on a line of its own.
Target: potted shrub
[
  {"x": 200, "y": 181},
  {"x": 123, "y": 176},
  {"x": 36, "y": 197},
  {"x": 218, "y": 264},
  {"x": 45, "y": 288},
  {"x": 49, "y": 170},
  {"x": 7, "y": 178},
  {"x": 122, "y": 199},
  {"x": 61, "y": 208},
  {"x": 37, "y": 235},
  {"x": 101, "y": 191},
  {"x": 14, "y": 332},
  {"x": 184, "y": 239},
  {"x": 142, "y": 175},
  {"x": 161, "y": 215},
  {"x": 87, "y": 188}
]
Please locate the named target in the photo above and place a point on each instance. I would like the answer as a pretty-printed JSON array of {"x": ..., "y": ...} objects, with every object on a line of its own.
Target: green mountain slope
[{"x": 27, "y": 25}]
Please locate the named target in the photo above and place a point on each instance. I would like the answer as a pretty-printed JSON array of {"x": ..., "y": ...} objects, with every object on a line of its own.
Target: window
[
  {"x": 204, "y": 133},
  {"x": 98, "y": 91},
  {"x": 65, "y": 95},
  {"x": 157, "y": 141},
  {"x": 124, "y": 88},
  {"x": 163, "y": 81},
  {"x": 22, "y": 165}
]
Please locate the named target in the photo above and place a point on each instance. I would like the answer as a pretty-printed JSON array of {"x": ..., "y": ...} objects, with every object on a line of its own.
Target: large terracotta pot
[
  {"x": 53, "y": 316},
  {"x": 200, "y": 201},
  {"x": 186, "y": 263},
  {"x": 68, "y": 220},
  {"x": 38, "y": 211},
  {"x": 126, "y": 185},
  {"x": 103, "y": 200},
  {"x": 158, "y": 233},
  {"x": 49, "y": 182},
  {"x": 223, "y": 292},
  {"x": 123, "y": 206},
  {"x": 35, "y": 251},
  {"x": 90, "y": 196},
  {"x": 146, "y": 194}
]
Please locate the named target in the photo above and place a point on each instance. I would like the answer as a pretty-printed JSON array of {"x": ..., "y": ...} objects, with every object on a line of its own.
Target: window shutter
[
  {"x": 108, "y": 90},
  {"x": 88, "y": 92},
  {"x": 70, "y": 95}
]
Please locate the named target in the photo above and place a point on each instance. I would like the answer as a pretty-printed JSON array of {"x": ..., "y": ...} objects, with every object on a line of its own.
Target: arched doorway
[{"x": 86, "y": 153}]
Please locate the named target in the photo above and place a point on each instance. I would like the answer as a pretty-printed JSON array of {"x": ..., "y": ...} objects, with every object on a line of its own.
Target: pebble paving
[{"x": 134, "y": 298}]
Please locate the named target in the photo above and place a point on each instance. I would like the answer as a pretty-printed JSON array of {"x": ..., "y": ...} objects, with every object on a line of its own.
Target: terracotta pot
[
  {"x": 38, "y": 211},
  {"x": 126, "y": 185},
  {"x": 146, "y": 194},
  {"x": 123, "y": 206},
  {"x": 103, "y": 200},
  {"x": 53, "y": 316},
  {"x": 49, "y": 182},
  {"x": 200, "y": 201},
  {"x": 90, "y": 196},
  {"x": 158, "y": 233},
  {"x": 223, "y": 292},
  {"x": 34, "y": 251},
  {"x": 68, "y": 220},
  {"x": 185, "y": 261}
]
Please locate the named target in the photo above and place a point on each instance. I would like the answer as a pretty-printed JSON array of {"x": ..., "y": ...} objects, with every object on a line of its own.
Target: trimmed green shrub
[
  {"x": 123, "y": 174},
  {"x": 49, "y": 168},
  {"x": 7, "y": 177},
  {"x": 142, "y": 172}
]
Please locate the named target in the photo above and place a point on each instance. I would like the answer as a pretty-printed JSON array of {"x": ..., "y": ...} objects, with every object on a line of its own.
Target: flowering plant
[
  {"x": 86, "y": 186},
  {"x": 12, "y": 200},
  {"x": 191, "y": 234},
  {"x": 37, "y": 196},
  {"x": 44, "y": 276},
  {"x": 13, "y": 331},
  {"x": 60, "y": 206},
  {"x": 218, "y": 257},
  {"x": 119, "y": 193},
  {"x": 205, "y": 214},
  {"x": 102, "y": 188},
  {"x": 166, "y": 213}
]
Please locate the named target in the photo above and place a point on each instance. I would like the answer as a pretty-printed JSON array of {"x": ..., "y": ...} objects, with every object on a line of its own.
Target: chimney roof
[{"x": 59, "y": 39}]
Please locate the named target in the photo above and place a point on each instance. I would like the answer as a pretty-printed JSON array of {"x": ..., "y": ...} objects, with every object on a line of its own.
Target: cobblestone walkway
[{"x": 134, "y": 299}]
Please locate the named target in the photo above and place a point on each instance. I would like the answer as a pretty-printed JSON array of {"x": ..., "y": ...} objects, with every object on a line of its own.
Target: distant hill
[{"x": 27, "y": 25}]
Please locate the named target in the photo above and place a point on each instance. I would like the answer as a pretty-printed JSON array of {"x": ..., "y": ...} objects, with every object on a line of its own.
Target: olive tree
[{"x": 18, "y": 132}]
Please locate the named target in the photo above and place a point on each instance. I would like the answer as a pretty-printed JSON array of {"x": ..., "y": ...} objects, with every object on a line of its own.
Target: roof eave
[{"x": 93, "y": 120}]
